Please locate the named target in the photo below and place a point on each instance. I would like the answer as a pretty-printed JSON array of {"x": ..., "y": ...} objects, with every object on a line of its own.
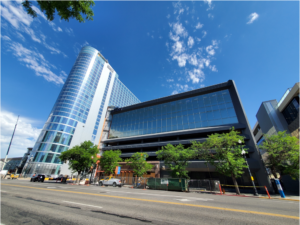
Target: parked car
[
  {"x": 110, "y": 181},
  {"x": 55, "y": 177},
  {"x": 38, "y": 178}
]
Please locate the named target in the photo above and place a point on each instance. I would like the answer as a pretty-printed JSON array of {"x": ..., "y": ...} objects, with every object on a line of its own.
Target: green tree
[
  {"x": 81, "y": 157},
  {"x": 65, "y": 9},
  {"x": 224, "y": 152},
  {"x": 139, "y": 164},
  {"x": 282, "y": 154},
  {"x": 176, "y": 158},
  {"x": 110, "y": 160}
]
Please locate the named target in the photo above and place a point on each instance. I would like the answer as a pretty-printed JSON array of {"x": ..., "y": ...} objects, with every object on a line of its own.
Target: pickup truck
[{"x": 110, "y": 181}]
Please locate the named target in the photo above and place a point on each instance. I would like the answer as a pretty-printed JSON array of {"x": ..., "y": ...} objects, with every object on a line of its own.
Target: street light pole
[
  {"x": 251, "y": 178},
  {"x": 10, "y": 144}
]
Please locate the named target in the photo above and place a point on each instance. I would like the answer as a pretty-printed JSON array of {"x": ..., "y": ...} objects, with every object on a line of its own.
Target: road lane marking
[
  {"x": 164, "y": 202},
  {"x": 184, "y": 200},
  {"x": 3, "y": 191},
  {"x": 172, "y": 196},
  {"x": 84, "y": 204}
]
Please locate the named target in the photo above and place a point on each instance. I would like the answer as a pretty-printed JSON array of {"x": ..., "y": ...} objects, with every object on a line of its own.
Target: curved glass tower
[{"x": 78, "y": 113}]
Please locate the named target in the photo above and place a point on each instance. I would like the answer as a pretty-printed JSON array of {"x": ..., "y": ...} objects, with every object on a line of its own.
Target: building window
[
  {"x": 200, "y": 111},
  {"x": 291, "y": 112}
]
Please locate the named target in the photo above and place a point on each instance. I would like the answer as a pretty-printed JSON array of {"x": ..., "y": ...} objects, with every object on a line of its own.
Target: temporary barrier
[
  {"x": 170, "y": 184},
  {"x": 263, "y": 187}
]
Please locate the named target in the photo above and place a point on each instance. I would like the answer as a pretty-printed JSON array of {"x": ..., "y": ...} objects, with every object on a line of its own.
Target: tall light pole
[
  {"x": 251, "y": 178},
  {"x": 10, "y": 144}
]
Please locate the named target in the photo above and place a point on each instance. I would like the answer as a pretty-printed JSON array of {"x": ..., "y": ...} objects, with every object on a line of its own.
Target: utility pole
[
  {"x": 10, "y": 144},
  {"x": 251, "y": 178}
]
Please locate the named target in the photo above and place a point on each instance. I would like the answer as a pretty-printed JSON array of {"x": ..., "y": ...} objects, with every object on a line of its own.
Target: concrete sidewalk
[{"x": 273, "y": 196}]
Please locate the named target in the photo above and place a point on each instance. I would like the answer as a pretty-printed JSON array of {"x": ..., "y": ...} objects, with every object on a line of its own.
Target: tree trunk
[
  {"x": 77, "y": 180},
  {"x": 235, "y": 185},
  {"x": 273, "y": 170}
]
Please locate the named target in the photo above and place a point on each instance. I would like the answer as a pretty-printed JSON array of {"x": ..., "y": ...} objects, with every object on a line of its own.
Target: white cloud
[
  {"x": 178, "y": 47},
  {"x": 193, "y": 60},
  {"x": 252, "y": 17},
  {"x": 69, "y": 31},
  {"x": 20, "y": 36},
  {"x": 210, "y": 50},
  {"x": 6, "y": 38},
  {"x": 199, "y": 25},
  {"x": 51, "y": 24},
  {"x": 25, "y": 135},
  {"x": 196, "y": 75},
  {"x": 210, "y": 6},
  {"x": 31, "y": 33},
  {"x": 214, "y": 68},
  {"x": 174, "y": 92},
  {"x": 179, "y": 30},
  {"x": 181, "y": 59},
  {"x": 15, "y": 14},
  {"x": 184, "y": 50},
  {"x": 35, "y": 61},
  {"x": 191, "y": 42},
  {"x": 210, "y": 15},
  {"x": 39, "y": 12},
  {"x": 168, "y": 16},
  {"x": 170, "y": 80}
]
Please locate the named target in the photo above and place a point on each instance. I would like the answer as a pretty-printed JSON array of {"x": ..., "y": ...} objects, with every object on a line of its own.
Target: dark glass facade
[
  {"x": 291, "y": 112},
  {"x": 206, "y": 110}
]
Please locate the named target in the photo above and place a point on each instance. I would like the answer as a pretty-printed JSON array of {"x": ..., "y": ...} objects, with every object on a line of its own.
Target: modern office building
[
  {"x": 11, "y": 164},
  {"x": 180, "y": 119},
  {"x": 79, "y": 111},
  {"x": 274, "y": 116}
]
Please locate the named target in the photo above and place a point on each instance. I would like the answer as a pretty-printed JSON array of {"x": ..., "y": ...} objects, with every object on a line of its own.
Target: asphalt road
[{"x": 24, "y": 202}]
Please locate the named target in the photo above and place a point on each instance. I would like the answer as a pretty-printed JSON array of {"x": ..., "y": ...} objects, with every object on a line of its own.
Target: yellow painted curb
[{"x": 164, "y": 202}]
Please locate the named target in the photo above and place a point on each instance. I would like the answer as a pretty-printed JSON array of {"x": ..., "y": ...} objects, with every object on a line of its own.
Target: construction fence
[{"x": 163, "y": 183}]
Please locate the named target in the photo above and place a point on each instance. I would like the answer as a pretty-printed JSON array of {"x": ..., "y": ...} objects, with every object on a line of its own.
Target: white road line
[
  {"x": 202, "y": 199},
  {"x": 184, "y": 200},
  {"x": 3, "y": 191},
  {"x": 83, "y": 204}
]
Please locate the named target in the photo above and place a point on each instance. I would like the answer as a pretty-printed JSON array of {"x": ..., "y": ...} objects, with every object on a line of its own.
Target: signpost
[{"x": 279, "y": 188}]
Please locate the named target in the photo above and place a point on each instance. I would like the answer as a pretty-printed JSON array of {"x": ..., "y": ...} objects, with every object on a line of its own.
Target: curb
[{"x": 286, "y": 199}]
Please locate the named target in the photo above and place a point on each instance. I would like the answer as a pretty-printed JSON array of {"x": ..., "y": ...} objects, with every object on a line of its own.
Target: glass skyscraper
[{"x": 79, "y": 111}]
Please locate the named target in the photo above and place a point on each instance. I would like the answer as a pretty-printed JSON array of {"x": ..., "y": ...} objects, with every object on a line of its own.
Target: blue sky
[{"x": 157, "y": 48}]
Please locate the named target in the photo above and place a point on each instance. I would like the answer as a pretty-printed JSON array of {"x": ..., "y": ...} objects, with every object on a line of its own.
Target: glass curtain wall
[
  {"x": 121, "y": 96},
  {"x": 72, "y": 105},
  {"x": 201, "y": 111}
]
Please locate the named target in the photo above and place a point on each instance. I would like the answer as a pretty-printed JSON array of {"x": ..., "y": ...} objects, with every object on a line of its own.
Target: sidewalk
[{"x": 273, "y": 196}]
